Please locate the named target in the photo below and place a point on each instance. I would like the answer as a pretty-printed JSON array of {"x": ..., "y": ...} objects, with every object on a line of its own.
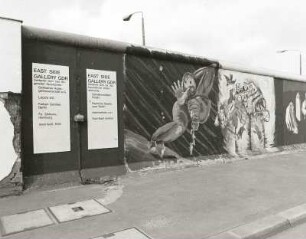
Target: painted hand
[{"x": 178, "y": 89}]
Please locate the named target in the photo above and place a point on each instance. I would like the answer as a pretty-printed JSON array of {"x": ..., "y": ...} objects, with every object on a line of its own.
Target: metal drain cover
[{"x": 73, "y": 211}]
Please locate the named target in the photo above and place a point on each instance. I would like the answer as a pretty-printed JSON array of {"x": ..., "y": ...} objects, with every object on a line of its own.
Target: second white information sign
[{"x": 102, "y": 109}]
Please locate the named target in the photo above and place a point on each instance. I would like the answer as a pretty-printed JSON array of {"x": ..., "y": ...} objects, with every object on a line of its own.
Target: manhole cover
[{"x": 73, "y": 211}]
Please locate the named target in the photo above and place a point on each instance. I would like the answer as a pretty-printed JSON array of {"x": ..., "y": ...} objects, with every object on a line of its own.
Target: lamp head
[{"x": 127, "y": 18}]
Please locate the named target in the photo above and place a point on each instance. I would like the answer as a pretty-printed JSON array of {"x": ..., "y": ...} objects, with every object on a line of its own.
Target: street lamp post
[
  {"x": 128, "y": 17},
  {"x": 300, "y": 55}
]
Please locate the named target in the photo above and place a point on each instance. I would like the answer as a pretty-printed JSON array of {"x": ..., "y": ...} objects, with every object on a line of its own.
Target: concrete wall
[
  {"x": 10, "y": 106},
  {"x": 176, "y": 107},
  {"x": 239, "y": 113},
  {"x": 290, "y": 112},
  {"x": 246, "y": 111}
]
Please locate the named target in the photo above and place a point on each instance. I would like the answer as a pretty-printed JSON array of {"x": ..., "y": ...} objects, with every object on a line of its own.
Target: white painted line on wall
[
  {"x": 131, "y": 233},
  {"x": 73, "y": 211},
  {"x": 24, "y": 221}
]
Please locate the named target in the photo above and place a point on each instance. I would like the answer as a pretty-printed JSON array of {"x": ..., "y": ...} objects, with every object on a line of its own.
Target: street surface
[{"x": 192, "y": 203}]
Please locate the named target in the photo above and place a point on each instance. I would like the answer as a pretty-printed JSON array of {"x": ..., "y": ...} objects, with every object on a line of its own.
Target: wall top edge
[
  {"x": 261, "y": 71},
  {"x": 10, "y": 19},
  {"x": 34, "y": 33}
]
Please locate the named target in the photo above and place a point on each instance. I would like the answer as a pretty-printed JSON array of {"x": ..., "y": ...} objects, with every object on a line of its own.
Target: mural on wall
[
  {"x": 295, "y": 113},
  {"x": 246, "y": 111},
  {"x": 192, "y": 105},
  {"x": 169, "y": 110},
  {"x": 294, "y": 108}
]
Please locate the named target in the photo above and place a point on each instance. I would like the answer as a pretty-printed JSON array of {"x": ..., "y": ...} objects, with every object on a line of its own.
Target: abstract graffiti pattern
[
  {"x": 290, "y": 108},
  {"x": 294, "y": 114}
]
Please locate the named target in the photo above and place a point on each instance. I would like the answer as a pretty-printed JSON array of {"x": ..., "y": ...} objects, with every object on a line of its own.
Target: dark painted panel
[
  {"x": 153, "y": 114},
  {"x": 100, "y": 60},
  {"x": 294, "y": 112},
  {"x": 46, "y": 53}
]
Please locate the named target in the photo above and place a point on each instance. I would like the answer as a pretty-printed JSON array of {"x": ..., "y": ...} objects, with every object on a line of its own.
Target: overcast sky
[{"x": 247, "y": 32}]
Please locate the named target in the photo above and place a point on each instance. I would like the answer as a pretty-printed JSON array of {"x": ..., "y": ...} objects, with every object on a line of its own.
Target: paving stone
[{"x": 25, "y": 221}]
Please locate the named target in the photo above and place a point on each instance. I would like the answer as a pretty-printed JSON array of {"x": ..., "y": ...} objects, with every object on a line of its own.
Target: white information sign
[
  {"x": 51, "y": 108},
  {"x": 102, "y": 109}
]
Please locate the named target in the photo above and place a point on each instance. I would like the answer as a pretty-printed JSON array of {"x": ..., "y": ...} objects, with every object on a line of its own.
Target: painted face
[{"x": 189, "y": 83}]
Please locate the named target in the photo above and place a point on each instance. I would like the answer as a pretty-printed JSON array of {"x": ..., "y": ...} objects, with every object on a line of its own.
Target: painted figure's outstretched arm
[{"x": 179, "y": 92}]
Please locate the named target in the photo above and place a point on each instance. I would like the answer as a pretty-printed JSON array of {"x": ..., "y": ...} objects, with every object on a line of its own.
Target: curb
[{"x": 267, "y": 226}]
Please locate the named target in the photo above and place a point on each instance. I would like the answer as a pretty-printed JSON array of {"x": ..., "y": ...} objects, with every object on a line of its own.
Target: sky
[{"x": 246, "y": 32}]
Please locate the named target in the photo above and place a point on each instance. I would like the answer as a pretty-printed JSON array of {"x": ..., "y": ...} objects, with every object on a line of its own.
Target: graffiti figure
[
  {"x": 243, "y": 111},
  {"x": 192, "y": 104}
]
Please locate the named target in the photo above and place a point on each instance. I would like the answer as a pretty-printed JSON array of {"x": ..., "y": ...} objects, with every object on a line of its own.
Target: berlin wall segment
[
  {"x": 71, "y": 108},
  {"x": 294, "y": 112},
  {"x": 246, "y": 111},
  {"x": 169, "y": 115},
  {"x": 138, "y": 107},
  {"x": 168, "y": 107}
]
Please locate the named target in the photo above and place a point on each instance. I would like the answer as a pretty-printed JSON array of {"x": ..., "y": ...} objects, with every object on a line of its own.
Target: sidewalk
[{"x": 196, "y": 202}]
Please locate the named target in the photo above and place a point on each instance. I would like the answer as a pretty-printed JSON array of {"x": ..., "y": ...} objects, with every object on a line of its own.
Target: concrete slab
[
  {"x": 261, "y": 228},
  {"x": 295, "y": 215},
  {"x": 24, "y": 221},
  {"x": 77, "y": 210},
  {"x": 131, "y": 233}
]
